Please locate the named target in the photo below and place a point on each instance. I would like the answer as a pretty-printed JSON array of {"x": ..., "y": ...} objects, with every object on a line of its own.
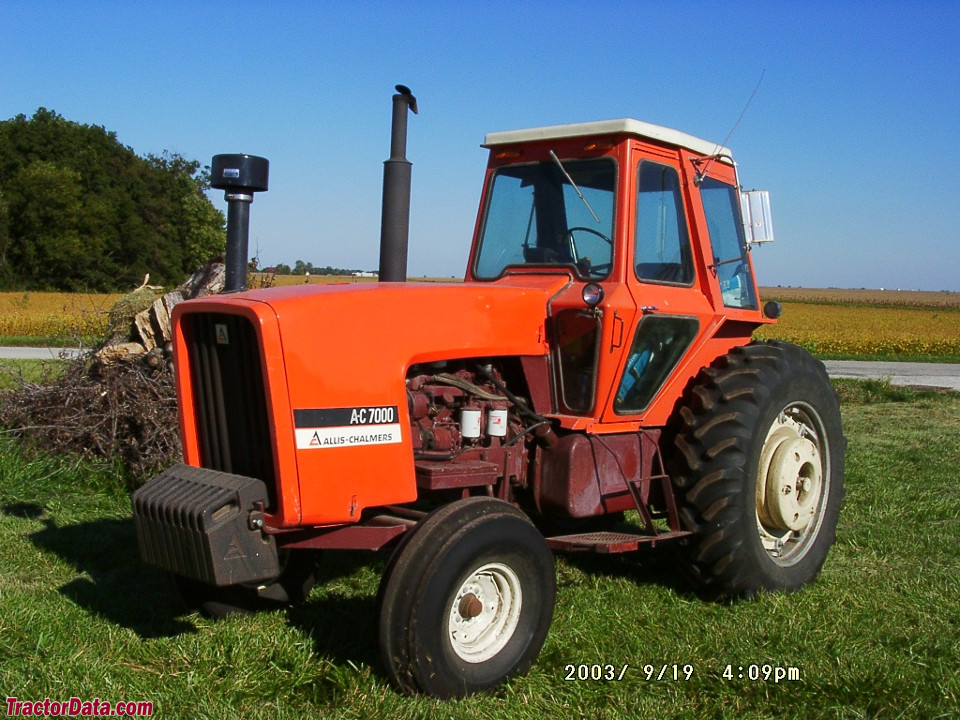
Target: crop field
[
  {"x": 881, "y": 324},
  {"x": 881, "y": 298},
  {"x": 889, "y": 324},
  {"x": 832, "y": 331},
  {"x": 52, "y": 315},
  {"x": 265, "y": 280}
]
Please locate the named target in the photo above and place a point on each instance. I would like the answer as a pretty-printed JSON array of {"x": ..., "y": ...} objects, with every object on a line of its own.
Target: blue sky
[{"x": 854, "y": 129}]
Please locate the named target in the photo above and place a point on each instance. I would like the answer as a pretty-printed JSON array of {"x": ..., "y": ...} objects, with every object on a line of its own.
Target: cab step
[{"x": 610, "y": 542}]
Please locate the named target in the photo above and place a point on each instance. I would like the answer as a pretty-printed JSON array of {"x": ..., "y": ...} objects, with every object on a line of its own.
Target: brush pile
[{"x": 117, "y": 404}]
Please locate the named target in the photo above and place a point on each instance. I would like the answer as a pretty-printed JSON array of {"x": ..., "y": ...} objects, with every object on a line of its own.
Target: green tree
[
  {"x": 80, "y": 210},
  {"x": 46, "y": 208},
  {"x": 4, "y": 234},
  {"x": 302, "y": 268},
  {"x": 200, "y": 226}
]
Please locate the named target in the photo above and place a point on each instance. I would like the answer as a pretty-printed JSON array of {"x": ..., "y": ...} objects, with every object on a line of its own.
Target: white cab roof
[{"x": 629, "y": 126}]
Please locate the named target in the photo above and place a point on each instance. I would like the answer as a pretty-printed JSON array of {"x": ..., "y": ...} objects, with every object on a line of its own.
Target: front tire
[
  {"x": 759, "y": 466},
  {"x": 467, "y": 601}
]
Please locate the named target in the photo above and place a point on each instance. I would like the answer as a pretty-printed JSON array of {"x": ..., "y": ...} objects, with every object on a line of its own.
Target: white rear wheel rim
[{"x": 793, "y": 484}]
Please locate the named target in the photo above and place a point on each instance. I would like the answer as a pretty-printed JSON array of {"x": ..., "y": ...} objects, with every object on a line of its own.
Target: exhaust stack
[
  {"x": 395, "y": 217},
  {"x": 240, "y": 176}
]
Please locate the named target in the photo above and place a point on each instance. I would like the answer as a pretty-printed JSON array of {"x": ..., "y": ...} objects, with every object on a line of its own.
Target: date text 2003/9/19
[{"x": 752, "y": 672}]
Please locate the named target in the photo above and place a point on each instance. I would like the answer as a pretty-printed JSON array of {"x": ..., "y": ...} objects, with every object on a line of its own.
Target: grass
[
  {"x": 53, "y": 341},
  {"x": 31, "y": 371},
  {"x": 878, "y": 635}
]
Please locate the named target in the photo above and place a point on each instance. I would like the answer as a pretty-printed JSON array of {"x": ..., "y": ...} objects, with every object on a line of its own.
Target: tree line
[
  {"x": 307, "y": 268},
  {"x": 81, "y": 211}
]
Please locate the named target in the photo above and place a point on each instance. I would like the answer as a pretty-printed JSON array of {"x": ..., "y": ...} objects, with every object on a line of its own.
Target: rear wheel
[
  {"x": 467, "y": 601},
  {"x": 760, "y": 470}
]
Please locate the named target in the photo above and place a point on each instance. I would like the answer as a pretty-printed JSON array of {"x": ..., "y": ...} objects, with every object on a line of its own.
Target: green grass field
[
  {"x": 877, "y": 636},
  {"x": 13, "y": 372}
]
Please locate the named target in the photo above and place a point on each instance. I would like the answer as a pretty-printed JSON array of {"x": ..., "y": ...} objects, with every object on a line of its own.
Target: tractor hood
[
  {"x": 372, "y": 332},
  {"x": 337, "y": 354}
]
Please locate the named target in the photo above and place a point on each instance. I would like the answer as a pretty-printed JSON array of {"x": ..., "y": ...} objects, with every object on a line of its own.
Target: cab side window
[
  {"x": 577, "y": 341},
  {"x": 721, "y": 207},
  {"x": 658, "y": 346},
  {"x": 662, "y": 253}
]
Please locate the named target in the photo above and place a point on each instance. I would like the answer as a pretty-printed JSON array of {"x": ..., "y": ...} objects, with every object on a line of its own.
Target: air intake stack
[
  {"x": 240, "y": 176},
  {"x": 395, "y": 218}
]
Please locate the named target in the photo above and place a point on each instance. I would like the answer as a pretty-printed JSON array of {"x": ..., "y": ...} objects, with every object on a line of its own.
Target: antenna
[
  {"x": 702, "y": 174},
  {"x": 743, "y": 112}
]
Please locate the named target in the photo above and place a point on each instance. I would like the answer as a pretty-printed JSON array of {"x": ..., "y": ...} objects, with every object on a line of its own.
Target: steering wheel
[
  {"x": 568, "y": 236},
  {"x": 599, "y": 271}
]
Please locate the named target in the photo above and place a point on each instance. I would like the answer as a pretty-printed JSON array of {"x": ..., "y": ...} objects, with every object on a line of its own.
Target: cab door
[{"x": 664, "y": 284}]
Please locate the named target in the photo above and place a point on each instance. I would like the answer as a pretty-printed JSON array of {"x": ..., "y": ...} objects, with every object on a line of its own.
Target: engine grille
[{"x": 228, "y": 397}]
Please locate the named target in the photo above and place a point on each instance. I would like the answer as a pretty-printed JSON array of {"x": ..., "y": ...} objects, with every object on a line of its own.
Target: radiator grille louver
[{"x": 228, "y": 397}]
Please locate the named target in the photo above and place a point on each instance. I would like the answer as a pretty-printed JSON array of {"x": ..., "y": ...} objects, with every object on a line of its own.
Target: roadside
[
  {"x": 37, "y": 353},
  {"x": 933, "y": 375}
]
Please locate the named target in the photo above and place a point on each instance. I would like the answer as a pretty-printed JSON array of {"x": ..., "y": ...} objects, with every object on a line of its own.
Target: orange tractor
[{"x": 596, "y": 360}]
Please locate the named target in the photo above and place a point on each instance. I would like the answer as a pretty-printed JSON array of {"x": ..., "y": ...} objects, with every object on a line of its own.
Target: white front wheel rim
[{"x": 484, "y": 612}]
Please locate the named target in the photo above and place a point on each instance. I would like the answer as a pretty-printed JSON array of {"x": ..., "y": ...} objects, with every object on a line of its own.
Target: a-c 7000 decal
[{"x": 345, "y": 427}]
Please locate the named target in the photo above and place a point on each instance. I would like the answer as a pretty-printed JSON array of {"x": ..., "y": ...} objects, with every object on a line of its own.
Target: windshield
[{"x": 535, "y": 216}]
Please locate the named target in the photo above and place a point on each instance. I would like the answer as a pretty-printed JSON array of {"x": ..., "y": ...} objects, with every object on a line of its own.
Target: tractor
[{"x": 591, "y": 386}]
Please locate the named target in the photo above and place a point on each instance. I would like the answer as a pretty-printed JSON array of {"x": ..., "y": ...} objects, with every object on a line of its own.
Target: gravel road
[
  {"x": 939, "y": 375},
  {"x": 35, "y": 353}
]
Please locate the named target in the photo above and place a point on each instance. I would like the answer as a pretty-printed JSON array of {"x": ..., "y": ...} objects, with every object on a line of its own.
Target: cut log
[
  {"x": 144, "y": 330},
  {"x": 119, "y": 352},
  {"x": 208, "y": 280},
  {"x": 143, "y": 319}
]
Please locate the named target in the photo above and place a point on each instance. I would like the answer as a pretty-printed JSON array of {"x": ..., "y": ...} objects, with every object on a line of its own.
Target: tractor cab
[{"x": 646, "y": 225}]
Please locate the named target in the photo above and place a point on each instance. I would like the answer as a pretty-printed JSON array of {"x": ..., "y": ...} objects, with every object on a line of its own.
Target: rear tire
[
  {"x": 467, "y": 601},
  {"x": 759, "y": 467}
]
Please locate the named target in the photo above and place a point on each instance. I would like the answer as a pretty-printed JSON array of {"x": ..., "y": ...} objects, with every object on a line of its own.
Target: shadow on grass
[
  {"x": 343, "y": 626},
  {"x": 340, "y": 617},
  {"x": 661, "y": 566},
  {"x": 112, "y": 581}
]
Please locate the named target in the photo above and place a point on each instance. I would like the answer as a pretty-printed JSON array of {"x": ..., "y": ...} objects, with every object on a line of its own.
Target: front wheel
[
  {"x": 759, "y": 466},
  {"x": 467, "y": 601}
]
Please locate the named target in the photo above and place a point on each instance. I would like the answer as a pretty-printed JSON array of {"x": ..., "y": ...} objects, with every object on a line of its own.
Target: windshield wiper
[{"x": 553, "y": 155}]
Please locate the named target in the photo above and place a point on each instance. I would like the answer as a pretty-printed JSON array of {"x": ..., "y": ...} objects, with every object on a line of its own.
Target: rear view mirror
[{"x": 757, "y": 220}]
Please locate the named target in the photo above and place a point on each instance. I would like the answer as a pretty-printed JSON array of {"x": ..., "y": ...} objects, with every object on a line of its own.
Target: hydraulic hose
[{"x": 520, "y": 404}]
